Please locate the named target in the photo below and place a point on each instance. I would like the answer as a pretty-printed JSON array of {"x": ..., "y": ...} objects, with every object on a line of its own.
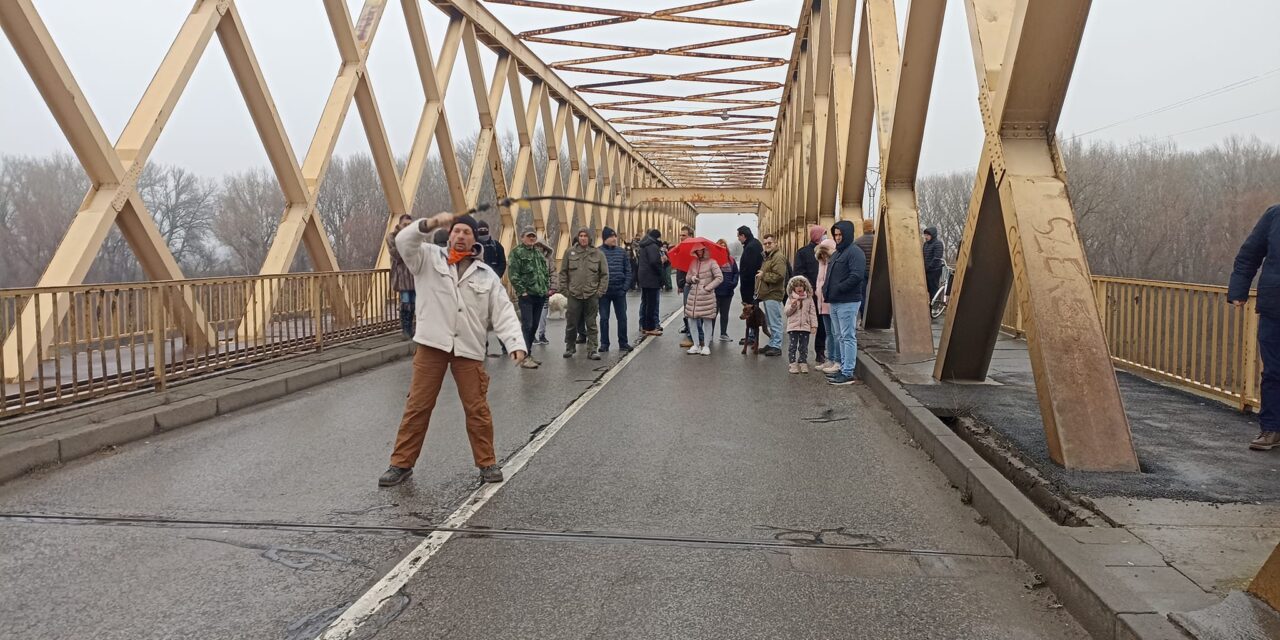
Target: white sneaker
[
  {"x": 694, "y": 350},
  {"x": 830, "y": 367},
  {"x": 706, "y": 350}
]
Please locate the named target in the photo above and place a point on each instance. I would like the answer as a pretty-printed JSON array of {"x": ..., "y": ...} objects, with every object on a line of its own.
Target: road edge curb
[{"x": 1098, "y": 601}]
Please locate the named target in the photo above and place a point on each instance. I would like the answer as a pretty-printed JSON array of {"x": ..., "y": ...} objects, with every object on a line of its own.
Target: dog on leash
[
  {"x": 556, "y": 306},
  {"x": 756, "y": 321}
]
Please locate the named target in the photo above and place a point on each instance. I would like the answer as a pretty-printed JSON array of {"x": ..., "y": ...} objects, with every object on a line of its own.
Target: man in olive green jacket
[
  {"x": 527, "y": 270},
  {"x": 584, "y": 277},
  {"x": 771, "y": 284}
]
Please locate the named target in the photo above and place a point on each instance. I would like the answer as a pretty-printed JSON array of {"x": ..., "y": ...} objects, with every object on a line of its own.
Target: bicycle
[{"x": 938, "y": 305}]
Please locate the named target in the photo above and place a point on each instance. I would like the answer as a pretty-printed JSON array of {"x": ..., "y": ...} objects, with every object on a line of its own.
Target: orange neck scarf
[{"x": 456, "y": 256}]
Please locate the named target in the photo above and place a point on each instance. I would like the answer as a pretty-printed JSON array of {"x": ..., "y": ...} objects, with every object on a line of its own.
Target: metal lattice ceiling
[{"x": 686, "y": 85}]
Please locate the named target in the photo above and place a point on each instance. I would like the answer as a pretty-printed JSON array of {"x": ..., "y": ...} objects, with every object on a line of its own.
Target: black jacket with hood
[
  {"x": 933, "y": 251},
  {"x": 1261, "y": 249},
  {"x": 750, "y": 263},
  {"x": 847, "y": 269},
  {"x": 649, "y": 262}
]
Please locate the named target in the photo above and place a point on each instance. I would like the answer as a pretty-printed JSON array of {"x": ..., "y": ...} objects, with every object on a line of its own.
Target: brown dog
[{"x": 754, "y": 316}]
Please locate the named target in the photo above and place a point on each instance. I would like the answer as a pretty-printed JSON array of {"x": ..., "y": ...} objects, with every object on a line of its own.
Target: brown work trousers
[{"x": 469, "y": 375}]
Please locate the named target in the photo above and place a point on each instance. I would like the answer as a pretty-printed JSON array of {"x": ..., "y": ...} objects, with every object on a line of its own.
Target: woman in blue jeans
[{"x": 823, "y": 254}]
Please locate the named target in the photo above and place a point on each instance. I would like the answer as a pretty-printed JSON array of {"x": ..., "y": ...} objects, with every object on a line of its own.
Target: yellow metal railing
[
  {"x": 1184, "y": 334},
  {"x": 119, "y": 337}
]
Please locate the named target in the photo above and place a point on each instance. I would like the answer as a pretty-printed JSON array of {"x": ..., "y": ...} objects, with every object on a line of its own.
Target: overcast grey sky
[{"x": 1138, "y": 55}]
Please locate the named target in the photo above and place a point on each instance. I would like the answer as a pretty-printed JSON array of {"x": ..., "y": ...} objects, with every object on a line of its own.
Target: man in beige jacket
[{"x": 459, "y": 298}]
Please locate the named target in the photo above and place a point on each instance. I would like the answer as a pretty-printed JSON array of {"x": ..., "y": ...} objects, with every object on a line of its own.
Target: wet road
[{"x": 689, "y": 497}]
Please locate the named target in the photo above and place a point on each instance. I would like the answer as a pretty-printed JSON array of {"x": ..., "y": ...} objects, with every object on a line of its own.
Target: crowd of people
[
  {"x": 818, "y": 293},
  {"x": 452, "y": 297},
  {"x": 448, "y": 272}
]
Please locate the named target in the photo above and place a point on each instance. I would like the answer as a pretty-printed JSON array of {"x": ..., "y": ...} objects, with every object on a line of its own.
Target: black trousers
[
  {"x": 648, "y": 309},
  {"x": 723, "y": 305},
  {"x": 933, "y": 278},
  {"x": 530, "y": 314}
]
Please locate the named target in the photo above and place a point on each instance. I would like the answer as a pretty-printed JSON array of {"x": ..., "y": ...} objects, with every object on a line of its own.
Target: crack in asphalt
[{"x": 836, "y": 538}]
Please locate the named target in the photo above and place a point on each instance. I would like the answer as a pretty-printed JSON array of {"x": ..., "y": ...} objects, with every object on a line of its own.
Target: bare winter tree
[
  {"x": 354, "y": 210},
  {"x": 38, "y": 199},
  {"x": 183, "y": 206},
  {"x": 1148, "y": 209},
  {"x": 249, "y": 208}
]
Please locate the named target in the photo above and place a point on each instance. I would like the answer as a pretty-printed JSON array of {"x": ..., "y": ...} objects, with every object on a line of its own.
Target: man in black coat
[
  {"x": 843, "y": 288},
  {"x": 934, "y": 262},
  {"x": 749, "y": 265},
  {"x": 494, "y": 255},
  {"x": 649, "y": 277},
  {"x": 1262, "y": 249}
]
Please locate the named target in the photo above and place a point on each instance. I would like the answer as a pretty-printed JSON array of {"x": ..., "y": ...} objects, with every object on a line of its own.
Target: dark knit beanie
[
  {"x": 467, "y": 220},
  {"x": 607, "y": 233},
  {"x": 655, "y": 234}
]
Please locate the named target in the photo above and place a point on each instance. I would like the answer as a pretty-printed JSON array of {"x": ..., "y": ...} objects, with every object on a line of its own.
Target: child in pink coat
[{"x": 802, "y": 321}]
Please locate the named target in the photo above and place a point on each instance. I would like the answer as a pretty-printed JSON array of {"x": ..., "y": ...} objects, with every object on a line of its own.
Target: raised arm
[{"x": 411, "y": 240}]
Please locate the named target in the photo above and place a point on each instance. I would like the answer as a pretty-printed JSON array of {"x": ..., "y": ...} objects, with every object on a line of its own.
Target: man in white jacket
[{"x": 459, "y": 299}]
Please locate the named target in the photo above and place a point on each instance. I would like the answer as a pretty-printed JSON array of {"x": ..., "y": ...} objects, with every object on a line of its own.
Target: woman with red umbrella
[{"x": 698, "y": 257}]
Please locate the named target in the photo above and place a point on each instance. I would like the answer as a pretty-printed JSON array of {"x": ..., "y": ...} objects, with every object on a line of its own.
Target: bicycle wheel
[{"x": 939, "y": 304}]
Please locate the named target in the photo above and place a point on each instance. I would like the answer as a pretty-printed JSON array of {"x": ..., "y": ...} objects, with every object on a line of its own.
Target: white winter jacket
[{"x": 455, "y": 313}]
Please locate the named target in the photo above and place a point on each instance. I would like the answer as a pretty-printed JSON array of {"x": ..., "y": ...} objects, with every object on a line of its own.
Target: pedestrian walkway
[
  {"x": 685, "y": 497},
  {"x": 1200, "y": 489}
]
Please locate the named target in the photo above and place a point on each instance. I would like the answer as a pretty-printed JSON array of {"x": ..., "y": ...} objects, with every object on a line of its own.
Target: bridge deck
[{"x": 689, "y": 486}]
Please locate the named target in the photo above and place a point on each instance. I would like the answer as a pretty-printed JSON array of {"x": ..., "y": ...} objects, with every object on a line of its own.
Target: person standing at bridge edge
[
  {"x": 529, "y": 279},
  {"x": 806, "y": 264},
  {"x": 584, "y": 277},
  {"x": 649, "y": 277},
  {"x": 401, "y": 278},
  {"x": 934, "y": 261},
  {"x": 683, "y": 289},
  {"x": 1262, "y": 249},
  {"x": 846, "y": 274},
  {"x": 748, "y": 268},
  {"x": 619, "y": 264},
  {"x": 771, "y": 291},
  {"x": 461, "y": 298}
]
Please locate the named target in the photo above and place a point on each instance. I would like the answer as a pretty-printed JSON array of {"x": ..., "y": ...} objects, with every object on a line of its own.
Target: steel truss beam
[
  {"x": 113, "y": 171},
  {"x": 902, "y": 79},
  {"x": 1021, "y": 233},
  {"x": 612, "y": 167}
]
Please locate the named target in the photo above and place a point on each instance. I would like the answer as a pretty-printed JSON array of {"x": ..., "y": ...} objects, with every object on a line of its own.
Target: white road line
[{"x": 373, "y": 599}]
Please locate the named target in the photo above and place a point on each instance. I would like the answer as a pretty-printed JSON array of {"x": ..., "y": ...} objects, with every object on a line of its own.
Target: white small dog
[{"x": 556, "y": 306}]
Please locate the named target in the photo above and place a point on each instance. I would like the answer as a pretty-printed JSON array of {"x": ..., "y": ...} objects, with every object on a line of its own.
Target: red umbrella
[{"x": 681, "y": 255}]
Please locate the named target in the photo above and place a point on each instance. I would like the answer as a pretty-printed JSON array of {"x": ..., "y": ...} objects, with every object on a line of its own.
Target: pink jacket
[{"x": 803, "y": 318}]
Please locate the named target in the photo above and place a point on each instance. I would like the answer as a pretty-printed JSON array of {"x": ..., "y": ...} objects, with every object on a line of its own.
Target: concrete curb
[
  {"x": 60, "y": 441},
  {"x": 1104, "y": 606}
]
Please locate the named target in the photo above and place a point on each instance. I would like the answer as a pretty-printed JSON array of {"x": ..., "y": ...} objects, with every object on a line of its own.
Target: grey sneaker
[
  {"x": 594, "y": 355},
  {"x": 394, "y": 476},
  {"x": 491, "y": 473},
  {"x": 568, "y": 353},
  {"x": 529, "y": 363}
]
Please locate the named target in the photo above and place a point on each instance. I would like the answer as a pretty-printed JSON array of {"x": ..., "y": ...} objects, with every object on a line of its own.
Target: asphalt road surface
[{"x": 685, "y": 497}]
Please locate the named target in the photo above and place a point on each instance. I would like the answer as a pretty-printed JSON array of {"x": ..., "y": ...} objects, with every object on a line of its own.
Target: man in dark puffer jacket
[
  {"x": 619, "y": 282},
  {"x": 1262, "y": 249},
  {"x": 649, "y": 277}
]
